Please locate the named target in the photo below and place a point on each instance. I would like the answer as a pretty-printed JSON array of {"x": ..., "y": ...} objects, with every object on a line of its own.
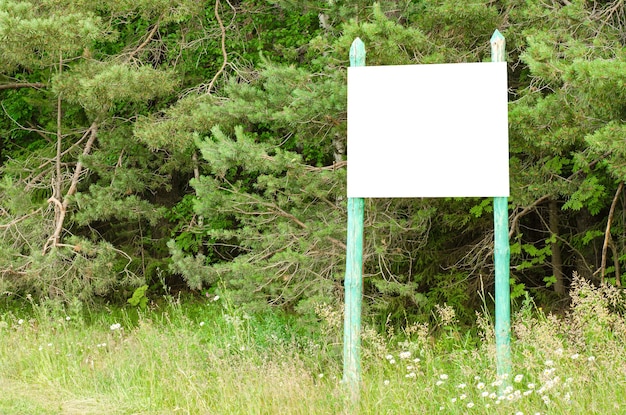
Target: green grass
[{"x": 213, "y": 359}]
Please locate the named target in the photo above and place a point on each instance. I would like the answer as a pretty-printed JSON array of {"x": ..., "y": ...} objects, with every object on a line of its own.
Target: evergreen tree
[
  {"x": 208, "y": 141},
  {"x": 75, "y": 80}
]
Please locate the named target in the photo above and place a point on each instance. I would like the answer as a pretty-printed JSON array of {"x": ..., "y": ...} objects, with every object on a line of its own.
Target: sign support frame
[{"x": 353, "y": 282}]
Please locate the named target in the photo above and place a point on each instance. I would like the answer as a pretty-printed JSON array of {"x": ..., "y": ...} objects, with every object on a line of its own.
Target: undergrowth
[{"x": 210, "y": 357}]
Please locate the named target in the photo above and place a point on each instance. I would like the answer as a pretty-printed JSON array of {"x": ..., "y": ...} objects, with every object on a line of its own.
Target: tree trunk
[{"x": 557, "y": 261}]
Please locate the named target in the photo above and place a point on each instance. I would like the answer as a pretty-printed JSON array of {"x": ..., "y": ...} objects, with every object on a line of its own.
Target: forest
[{"x": 200, "y": 147}]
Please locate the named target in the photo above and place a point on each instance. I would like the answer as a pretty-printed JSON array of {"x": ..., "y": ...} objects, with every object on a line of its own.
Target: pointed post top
[
  {"x": 498, "y": 47},
  {"x": 496, "y": 36},
  {"x": 357, "y": 53}
]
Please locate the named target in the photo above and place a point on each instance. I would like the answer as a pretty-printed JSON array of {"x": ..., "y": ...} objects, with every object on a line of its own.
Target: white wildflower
[
  {"x": 518, "y": 378},
  {"x": 405, "y": 355},
  {"x": 115, "y": 326},
  {"x": 443, "y": 376}
]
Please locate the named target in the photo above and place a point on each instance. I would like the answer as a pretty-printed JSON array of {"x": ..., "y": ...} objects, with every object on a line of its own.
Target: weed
[{"x": 211, "y": 357}]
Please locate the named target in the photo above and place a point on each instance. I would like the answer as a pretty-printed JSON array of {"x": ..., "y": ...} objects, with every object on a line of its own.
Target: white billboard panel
[{"x": 436, "y": 130}]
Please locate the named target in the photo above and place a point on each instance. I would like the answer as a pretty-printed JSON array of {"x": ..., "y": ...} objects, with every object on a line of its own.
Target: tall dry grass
[{"x": 213, "y": 359}]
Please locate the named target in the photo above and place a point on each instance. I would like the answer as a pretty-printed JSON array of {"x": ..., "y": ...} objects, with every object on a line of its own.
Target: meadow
[{"x": 210, "y": 357}]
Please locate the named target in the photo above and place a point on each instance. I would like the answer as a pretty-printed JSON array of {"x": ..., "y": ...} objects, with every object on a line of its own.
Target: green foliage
[
  {"x": 38, "y": 34},
  {"x": 98, "y": 86},
  {"x": 204, "y": 351},
  {"x": 80, "y": 200},
  {"x": 139, "y": 298},
  {"x": 220, "y": 149}
]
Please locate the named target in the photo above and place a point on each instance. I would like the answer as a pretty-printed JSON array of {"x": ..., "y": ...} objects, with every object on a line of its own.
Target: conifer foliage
[{"x": 207, "y": 141}]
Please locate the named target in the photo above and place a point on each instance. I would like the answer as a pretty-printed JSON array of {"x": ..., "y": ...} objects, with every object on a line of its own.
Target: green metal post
[
  {"x": 502, "y": 256},
  {"x": 354, "y": 271}
]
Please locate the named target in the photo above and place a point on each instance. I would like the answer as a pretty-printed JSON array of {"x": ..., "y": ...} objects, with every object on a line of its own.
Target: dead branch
[
  {"x": 18, "y": 85},
  {"x": 524, "y": 212},
  {"x": 618, "y": 277},
  {"x": 57, "y": 185},
  {"x": 40, "y": 132},
  {"x": 145, "y": 42},
  {"x": 607, "y": 232},
  {"x": 278, "y": 211},
  {"x": 61, "y": 205},
  {"x": 335, "y": 166},
  {"x": 18, "y": 220},
  {"x": 223, "y": 45}
]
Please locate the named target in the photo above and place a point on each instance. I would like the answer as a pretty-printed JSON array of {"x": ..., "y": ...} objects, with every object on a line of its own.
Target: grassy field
[{"x": 210, "y": 358}]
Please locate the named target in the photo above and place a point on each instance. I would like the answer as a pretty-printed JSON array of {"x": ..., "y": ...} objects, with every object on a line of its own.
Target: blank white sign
[{"x": 428, "y": 130}]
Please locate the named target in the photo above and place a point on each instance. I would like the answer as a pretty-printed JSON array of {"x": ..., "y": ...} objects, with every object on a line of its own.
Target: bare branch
[
  {"x": 607, "y": 232},
  {"x": 19, "y": 85},
  {"x": 18, "y": 220},
  {"x": 524, "y": 212},
  {"x": 61, "y": 206},
  {"x": 223, "y": 45},
  {"x": 145, "y": 42}
]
